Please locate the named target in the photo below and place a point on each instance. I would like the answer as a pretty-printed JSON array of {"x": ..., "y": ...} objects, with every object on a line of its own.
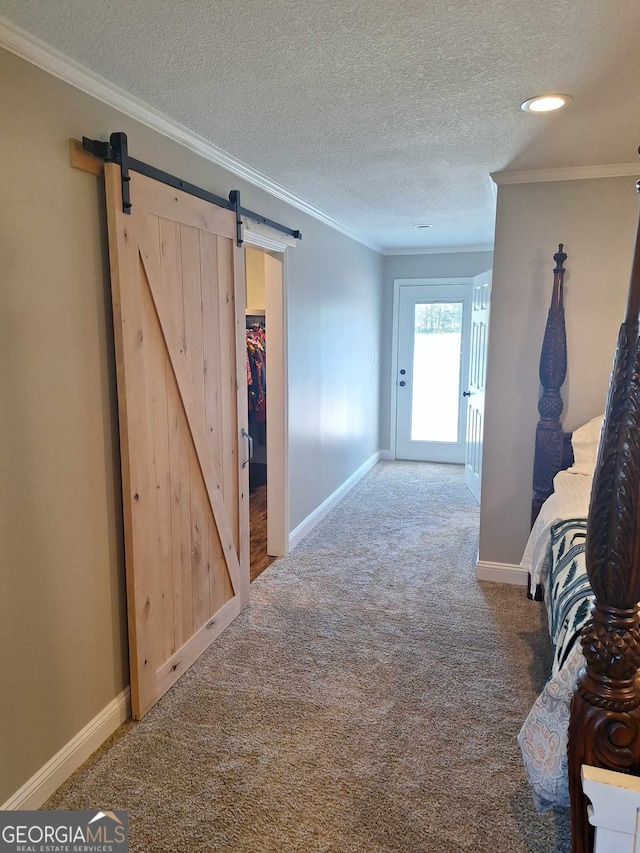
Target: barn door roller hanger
[{"x": 116, "y": 151}]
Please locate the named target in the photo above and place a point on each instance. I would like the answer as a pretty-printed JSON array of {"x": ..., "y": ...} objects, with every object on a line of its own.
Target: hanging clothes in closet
[{"x": 257, "y": 388}]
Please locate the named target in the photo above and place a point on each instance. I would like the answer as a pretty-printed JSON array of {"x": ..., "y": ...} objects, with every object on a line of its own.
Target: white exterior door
[
  {"x": 477, "y": 375},
  {"x": 434, "y": 325}
]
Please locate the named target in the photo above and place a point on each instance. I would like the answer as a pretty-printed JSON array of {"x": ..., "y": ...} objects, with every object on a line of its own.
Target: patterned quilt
[{"x": 568, "y": 596}]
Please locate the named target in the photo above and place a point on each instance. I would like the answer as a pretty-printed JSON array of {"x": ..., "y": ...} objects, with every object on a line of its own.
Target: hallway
[{"x": 367, "y": 700}]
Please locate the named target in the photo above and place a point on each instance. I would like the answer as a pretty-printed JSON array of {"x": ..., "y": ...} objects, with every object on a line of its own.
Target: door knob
[
  {"x": 402, "y": 383},
  {"x": 466, "y": 393}
]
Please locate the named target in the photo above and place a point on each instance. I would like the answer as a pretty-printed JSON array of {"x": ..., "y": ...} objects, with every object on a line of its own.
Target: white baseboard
[
  {"x": 57, "y": 770},
  {"x": 298, "y": 534},
  {"x": 501, "y": 573},
  {"x": 387, "y": 455}
]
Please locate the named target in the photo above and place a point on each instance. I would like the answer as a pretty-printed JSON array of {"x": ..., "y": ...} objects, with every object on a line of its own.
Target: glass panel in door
[{"x": 437, "y": 343}]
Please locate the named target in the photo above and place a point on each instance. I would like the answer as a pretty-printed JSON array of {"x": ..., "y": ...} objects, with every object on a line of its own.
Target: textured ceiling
[{"x": 382, "y": 113}]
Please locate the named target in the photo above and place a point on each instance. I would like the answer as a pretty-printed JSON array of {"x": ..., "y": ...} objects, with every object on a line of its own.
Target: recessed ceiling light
[
  {"x": 545, "y": 103},
  {"x": 423, "y": 226}
]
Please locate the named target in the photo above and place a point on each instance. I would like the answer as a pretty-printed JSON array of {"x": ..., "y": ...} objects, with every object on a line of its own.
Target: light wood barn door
[{"x": 178, "y": 298}]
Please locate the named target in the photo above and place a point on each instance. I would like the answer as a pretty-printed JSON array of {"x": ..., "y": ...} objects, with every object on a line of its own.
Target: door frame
[
  {"x": 397, "y": 284},
  {"x": 262, "y": 237}
]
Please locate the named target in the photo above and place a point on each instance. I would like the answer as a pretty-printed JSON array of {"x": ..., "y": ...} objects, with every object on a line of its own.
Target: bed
[{"x": 584, "y": 554}]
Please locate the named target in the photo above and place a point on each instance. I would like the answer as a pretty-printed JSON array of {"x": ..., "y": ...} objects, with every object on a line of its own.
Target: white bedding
[
  {"x": 570, "y": 499},
  {"x": 543, "y": 737},
  {"x": 544, "y": 734}
]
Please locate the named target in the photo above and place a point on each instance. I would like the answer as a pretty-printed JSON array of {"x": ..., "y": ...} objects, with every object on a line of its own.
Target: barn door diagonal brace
[{"x": 117, "y": 151}]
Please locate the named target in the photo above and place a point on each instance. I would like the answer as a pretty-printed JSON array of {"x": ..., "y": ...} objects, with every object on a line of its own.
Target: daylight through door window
[{"x": 437, "y": 342}]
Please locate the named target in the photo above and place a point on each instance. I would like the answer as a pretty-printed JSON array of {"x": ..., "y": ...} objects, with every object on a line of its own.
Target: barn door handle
[{"x": 246, "y": 435}]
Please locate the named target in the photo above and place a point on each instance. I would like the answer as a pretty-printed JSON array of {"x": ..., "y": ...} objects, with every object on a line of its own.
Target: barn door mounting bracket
[
  {"x": 114, "y": 151},
  {"x": 234, "y": 198},
  {"x": 121, "y": 151}
]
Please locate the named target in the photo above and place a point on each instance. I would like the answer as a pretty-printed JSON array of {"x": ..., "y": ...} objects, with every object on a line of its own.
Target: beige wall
[
  {"x": 436, "y": 265},
  {"x": 62, "y": 614},
  {"x": 595, "y": 219}
]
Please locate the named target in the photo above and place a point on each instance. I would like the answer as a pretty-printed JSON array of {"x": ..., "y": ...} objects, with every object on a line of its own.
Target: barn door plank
[
  {"x": 239, "y": 344},
  {"x": 180, "y": 513},
  {"x": 226, "y": 312},
  {"x": 211, "y": 348},
  {"x": 156, "y": 387},
  {"x": 131, "y": 377}
]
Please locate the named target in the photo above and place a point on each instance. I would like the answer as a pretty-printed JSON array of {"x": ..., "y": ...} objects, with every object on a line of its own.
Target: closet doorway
[{"x": 266, "y": 379}]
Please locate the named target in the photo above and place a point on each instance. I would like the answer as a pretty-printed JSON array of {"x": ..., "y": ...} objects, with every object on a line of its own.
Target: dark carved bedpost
[
  {"x": 549, "y": 445},
  {"x": 605, "y": 712}
]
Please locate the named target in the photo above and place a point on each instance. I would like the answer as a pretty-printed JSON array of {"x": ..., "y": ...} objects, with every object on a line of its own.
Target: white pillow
[{"x": 585, "y": 441}]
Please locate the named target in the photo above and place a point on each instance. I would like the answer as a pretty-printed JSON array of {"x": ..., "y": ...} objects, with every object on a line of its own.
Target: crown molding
[
  {"x": 34, "y": 50},
  {"x": 439, "y": 250},
  {"x": 570, "y": 173}
]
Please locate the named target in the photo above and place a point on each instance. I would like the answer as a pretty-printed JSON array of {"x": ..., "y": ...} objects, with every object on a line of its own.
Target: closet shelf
[{"x": 255, "y": 312}]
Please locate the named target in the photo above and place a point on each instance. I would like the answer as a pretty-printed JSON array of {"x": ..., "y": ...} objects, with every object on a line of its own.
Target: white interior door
[
  {"x": 477, "y": 375},
  {"x": 434, "y": 324}
]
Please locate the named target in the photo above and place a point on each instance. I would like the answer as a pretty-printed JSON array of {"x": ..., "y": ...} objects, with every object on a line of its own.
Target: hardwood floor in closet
[{"x": 258, "y": 511}]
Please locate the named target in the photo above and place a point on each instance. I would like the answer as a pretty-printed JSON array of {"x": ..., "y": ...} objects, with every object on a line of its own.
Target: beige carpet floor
[{"x": 367, "y": 700}]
